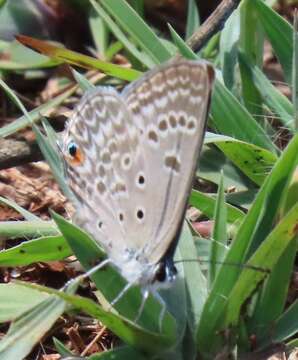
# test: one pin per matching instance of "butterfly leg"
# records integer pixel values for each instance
(163, 308)
(122, 292)
(145, 294)
(73, 283)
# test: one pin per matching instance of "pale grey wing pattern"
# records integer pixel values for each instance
(169, 106)
(109, 182)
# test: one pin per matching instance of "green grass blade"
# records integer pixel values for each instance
(286, 326)
(135, 26)
(195, 281)
(207, 205)
(276, 287)
(184, 49)
(61, 348)
(265, 257)
(99, 31)
(228, 49)
(219, 233)
(253, 225)
(36, 114)
(120, 35)
(251, 43)
(280, 34)
(82, 81)
(295, 70)
(27, 214)
(31, 229)
(50, 152)
(238, 122)
(193, 19)
(276, 101)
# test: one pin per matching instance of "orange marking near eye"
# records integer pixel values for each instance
(77, 159)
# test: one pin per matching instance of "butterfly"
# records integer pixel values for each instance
(131, 158)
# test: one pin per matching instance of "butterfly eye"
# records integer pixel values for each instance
(72, 149)
(75, 154)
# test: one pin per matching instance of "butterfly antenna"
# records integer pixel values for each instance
(246, 266)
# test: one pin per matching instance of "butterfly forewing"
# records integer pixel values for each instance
(139, 150)
(169, 106)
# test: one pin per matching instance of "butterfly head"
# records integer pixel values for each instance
(154, 276)
(73, 153)
(165, 273)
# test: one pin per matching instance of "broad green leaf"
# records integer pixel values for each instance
(110, 283)
(138, 6)
(127, 330)
(49, 248)
(254, 161)
(15, 300)
(212, 161)
(243, 199)
(28, 329)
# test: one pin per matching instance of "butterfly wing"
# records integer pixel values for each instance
(110, 160)
(138, 153)
(169, 107)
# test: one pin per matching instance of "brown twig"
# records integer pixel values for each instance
(213, 24)
(14, 153)
(97, 337)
